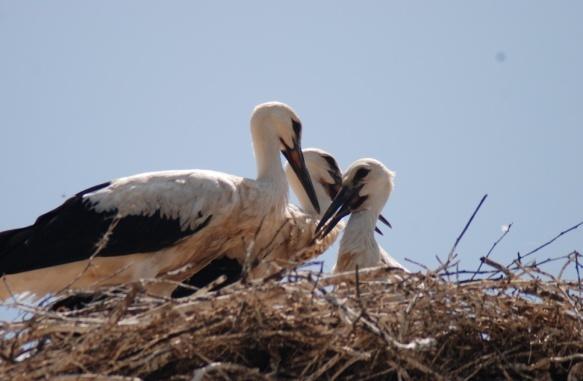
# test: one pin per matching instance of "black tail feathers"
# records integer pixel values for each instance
(10, 241)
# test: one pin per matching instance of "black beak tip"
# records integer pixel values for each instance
(385, 221)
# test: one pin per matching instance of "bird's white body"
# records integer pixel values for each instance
(213, 214)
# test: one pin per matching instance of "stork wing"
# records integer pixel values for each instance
(138, 214)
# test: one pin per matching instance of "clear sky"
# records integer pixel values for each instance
(459, 98)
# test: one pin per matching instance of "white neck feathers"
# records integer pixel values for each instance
(359, 237)
(266, 147)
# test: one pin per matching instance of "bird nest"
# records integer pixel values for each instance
(372, 324)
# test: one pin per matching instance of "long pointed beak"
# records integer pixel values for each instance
(385, 221)
(339, 208)
(295, 158)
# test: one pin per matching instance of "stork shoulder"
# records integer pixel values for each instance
(185, 195)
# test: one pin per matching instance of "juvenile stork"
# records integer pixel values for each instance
(366, 187)
(150, 224)
(296, 244)
(327, 179)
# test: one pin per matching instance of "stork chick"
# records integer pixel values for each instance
(366, 187)
(299, 245)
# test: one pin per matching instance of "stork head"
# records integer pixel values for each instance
(325, 175)
(277, 124)
(366, 186)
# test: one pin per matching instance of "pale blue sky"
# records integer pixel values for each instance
(459, 98)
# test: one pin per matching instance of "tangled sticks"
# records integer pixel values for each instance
(373, 324)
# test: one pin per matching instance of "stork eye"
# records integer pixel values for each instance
(297, 126)
(360, 174)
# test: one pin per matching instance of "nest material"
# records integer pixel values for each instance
(368, 325)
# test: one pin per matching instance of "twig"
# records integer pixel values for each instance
(468, 272)
(247, 265)
(358, 299)
(547, 243)
(457, 241)
(417, 264)
(319, 275)
(266, 250)
(497, 266)
(12, 296)
(492, 249)
(577, 255)
(357, 285)
(101, 244)
(451, 256)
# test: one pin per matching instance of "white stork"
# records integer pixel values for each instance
(366, 187)
(297, 244)
(147, 225)
(327, 179)
(297, 234)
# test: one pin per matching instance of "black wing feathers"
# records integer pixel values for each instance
(144, 234)
(10, 239)
(71, 232)
(94, 188)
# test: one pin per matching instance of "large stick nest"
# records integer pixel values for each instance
(374, 324)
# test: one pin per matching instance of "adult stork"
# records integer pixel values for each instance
(294, 243)
(148, 225)
(366, 187)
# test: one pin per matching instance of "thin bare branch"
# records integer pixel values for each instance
(506, 231)
(459, 238)
(540, 247)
